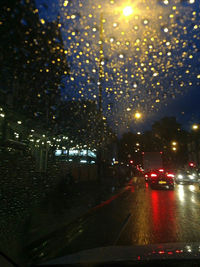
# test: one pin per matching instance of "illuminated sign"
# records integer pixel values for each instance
(73, 152)
(58, 152)
(76, 152)
(83, 153)
(92, 154)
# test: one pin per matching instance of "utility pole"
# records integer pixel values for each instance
(101, 76)
(46, 134)
(101, 63)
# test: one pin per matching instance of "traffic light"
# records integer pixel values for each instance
(192, 164)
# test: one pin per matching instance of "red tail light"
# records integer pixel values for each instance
(154, 175)
(161, 170)
(170, 175)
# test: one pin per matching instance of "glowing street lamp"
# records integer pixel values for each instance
(195, 127)
(174, 146)
(138, 115)
(128, 11)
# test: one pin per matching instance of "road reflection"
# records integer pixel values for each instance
(192, 188)
(156, 216)
(181, 193)
(164, 223)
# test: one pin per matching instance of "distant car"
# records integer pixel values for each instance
(186, 177)
(147, 175)
(161, 179)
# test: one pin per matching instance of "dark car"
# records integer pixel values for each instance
(161, 179)
(147, 175)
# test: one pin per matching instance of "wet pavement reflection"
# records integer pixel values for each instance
(137, 216)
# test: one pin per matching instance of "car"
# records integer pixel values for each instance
(186, 177)
(147, 175)
(161, 179)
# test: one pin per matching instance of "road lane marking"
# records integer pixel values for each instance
(125, 222)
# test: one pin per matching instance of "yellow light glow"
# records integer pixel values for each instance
(42, 21)
(128, 11)
(181, 193)
(195, 127)
(138, 115)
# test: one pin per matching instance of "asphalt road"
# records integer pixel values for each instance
(136, 216)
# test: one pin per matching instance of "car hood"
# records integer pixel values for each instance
(134, 253)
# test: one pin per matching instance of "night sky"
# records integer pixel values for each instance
(151, 58)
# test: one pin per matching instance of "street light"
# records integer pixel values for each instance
(128, 11)
(195, 143)
(195, 126)
(174, 146)
(101, 61)
(138, 115)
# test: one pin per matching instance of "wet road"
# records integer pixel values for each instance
(139, 215)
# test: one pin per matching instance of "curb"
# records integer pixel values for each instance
(86, 210)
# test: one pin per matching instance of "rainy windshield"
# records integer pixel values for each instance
(99, 125)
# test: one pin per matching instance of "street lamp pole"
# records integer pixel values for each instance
(100, 107)
(101, 63)
(127, 12)
(196, 140)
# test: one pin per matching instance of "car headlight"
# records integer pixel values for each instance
(191, 177)
(180, 176)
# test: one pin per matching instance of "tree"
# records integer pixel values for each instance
(81, 122)
(164, 133)
(169, 131)
(151, 142)
(33, 62)
(130, 148)
(166, 129)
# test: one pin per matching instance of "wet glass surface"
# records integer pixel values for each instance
(87, 88)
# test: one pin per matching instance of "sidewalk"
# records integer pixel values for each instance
(60, 209)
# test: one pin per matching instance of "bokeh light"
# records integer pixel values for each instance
(128, 11)
(138, 115)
